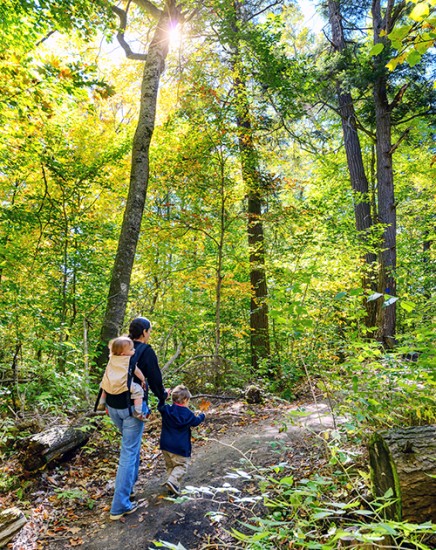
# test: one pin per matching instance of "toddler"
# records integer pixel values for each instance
(175, 438)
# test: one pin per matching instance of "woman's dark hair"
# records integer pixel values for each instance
(137, 326)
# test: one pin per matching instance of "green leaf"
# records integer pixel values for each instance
(399, 33)
(260, 536)
(289, 480)
(407, 306)
(340, 295)
(324, 514)
(356, 291)
(376, 49)
(413, 58)
(423, 47)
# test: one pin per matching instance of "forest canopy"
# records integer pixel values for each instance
(263, 191)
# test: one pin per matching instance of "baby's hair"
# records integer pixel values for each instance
(119, 345)
(180, 394)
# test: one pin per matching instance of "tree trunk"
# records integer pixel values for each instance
(11, 521)
(219, 267)
(356, 168)
(403, 460)
(40, 449)
(259, 330)
(385, 184)
(131, 226)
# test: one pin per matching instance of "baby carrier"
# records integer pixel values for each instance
(118, 375)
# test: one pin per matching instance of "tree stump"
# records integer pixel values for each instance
(404, 459)
(253, 395)
(11, 521)
(40, 449)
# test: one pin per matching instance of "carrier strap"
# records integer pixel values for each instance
(132, 366)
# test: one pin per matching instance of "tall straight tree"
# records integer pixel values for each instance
(255, 190)
(383, 110)
(154, 62)
(353, 151)
(382, 25)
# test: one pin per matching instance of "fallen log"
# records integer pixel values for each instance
(42, 448)
(404, 460)
(11, 521)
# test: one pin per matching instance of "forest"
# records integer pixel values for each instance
(257, 178)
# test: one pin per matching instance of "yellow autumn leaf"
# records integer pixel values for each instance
(392, 64)
(420, 11)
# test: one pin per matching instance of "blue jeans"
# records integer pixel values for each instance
(131, 431)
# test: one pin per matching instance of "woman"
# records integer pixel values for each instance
(131, 428)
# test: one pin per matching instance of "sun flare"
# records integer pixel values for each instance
(175, 36)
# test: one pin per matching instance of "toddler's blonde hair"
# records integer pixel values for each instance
(180, 394)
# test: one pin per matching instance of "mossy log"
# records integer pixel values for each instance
(11, 521)
(404, 460)
(40, 449)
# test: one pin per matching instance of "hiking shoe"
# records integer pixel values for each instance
(172, 488)
(140, 416)
(119, 516)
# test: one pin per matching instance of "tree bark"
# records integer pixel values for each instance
(356, 168)
(403, 460)
(11, 521)
(386, 316)
(253, 181)
(131, 225)
(53, 443)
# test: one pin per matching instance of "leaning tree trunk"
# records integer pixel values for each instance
(386, 316)
(404, 460)
(356, 168)
(122, 270)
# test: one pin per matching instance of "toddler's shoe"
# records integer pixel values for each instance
(172, 488)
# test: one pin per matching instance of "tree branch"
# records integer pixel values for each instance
(204, 395)
(397, 99)
(417, 115)
(120, 35)
(173, 357)
(263, 10)
(396, 145)
(150, 8)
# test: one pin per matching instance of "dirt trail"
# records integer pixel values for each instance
(264, 442)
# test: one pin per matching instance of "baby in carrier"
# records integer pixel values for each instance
(115, 379)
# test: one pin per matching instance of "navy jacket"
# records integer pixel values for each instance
(177, 421)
